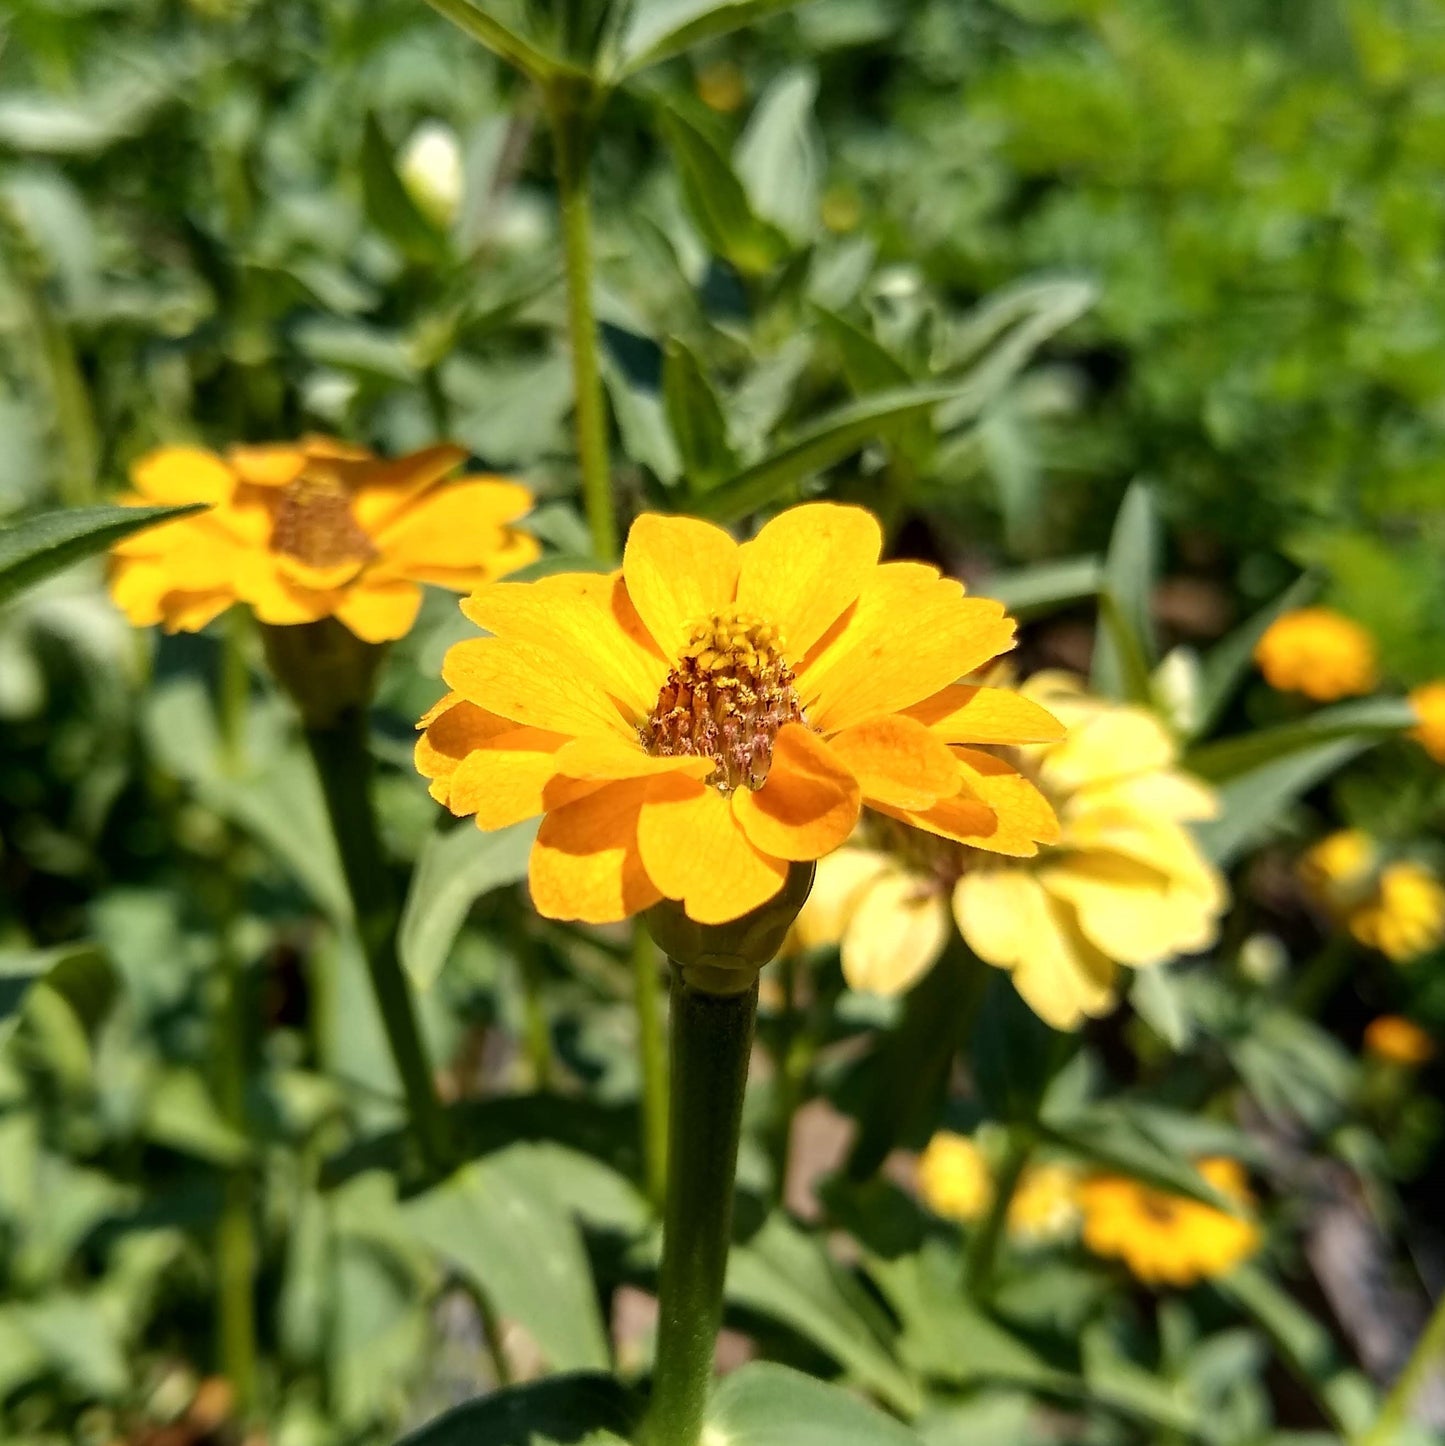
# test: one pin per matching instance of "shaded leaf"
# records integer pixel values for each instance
(499, 25)
(770, 1405)
(1125, 648)
(555, 1412)
(778, 158)
(660, 28)
(389, 204)
(695, 418)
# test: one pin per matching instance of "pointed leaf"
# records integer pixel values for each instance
(779, 159)
(696, 419)
(506, 38)
(389, 205)
(1047, 586)
(1124, 648)
(660, 28)
(769, 1405)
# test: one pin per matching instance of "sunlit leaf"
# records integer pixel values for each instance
(770, 1405)
(1124, 648)
(660, 28)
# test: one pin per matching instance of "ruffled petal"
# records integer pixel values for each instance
(189, 612)
(896, 934)
(452, 727)
(274, 464)
(382, 487)
(678, 571)
(695, 850)
(963, 713)
(585, 863)
(1025, 818)
(805, 567)
(809, 804)
(505, 778)
(897, 761)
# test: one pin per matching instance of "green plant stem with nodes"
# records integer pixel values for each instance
(571, 107)
(652, 1059)
(1427, 1357)
(982, 1252)
(712, 1038)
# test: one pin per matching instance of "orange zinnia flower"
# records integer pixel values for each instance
(1318, 652)
(313, 529)
(692, 724)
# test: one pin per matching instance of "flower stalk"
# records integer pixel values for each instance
(982, 1252)
(652, 1058)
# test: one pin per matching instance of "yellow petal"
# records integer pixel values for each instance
(507, 551)
(678, 571)
(896, 934)
(381, 488)
(379, 612)
(607, 757)
(694, 850)
(585, 864)
(805, 567)
(963, 713)
(504, 778)
(273, 597)
(1025, 818)
(838, 884)
(910, 633)
(587, 618)
(1162, 794)
(276, 464)
(897, 761)
(1112, 744)
(137, 586)
(452, 728)
(965, 818)
(531, 685)
(182, 474)
(450, 526)
(809, 804)
(189, 612)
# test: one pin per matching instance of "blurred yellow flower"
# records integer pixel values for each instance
(1318, 652)
(1429, 705)
(1399, 1040)
(1397, 908)
(692, 724)
(1167, 1239)
(1126, 883)
(722, 87)
(956, 1183)
(313, 529)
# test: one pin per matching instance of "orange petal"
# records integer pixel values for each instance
(275, 598)
(585, 863)
(678, 570)
(809, 804)
(510, 551)
(182, 474)
(910, 633)
(189, 612)
(694, 849)
(452, 526)
(605, 758)
(379, 612)
(381, 487)
(962, 713)
(453, 727)
(965, 818)
(897, 760)
(1025, 818)
(274, 464)
(504, 779)
(805, 567)
(585, 617)
(531, 685)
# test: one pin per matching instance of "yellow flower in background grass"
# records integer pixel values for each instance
(1167, 1239)
(692, 724)
(1429, 705)
(956, 1183)
(1124, 884)
(1399, 1040)
(313, 529)
(1318, 652)
(1397, 908)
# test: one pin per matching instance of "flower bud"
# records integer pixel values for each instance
(324, 666)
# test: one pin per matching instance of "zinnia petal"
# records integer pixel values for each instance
(964, 713)
(809, 804)
(585, 863)
(379, 612)
(896, 934)
(176, 475)
(898, 761)
(678, 571)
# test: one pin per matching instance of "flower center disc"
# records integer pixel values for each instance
(725, 699)
(314, 524)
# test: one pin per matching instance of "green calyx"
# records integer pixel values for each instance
(324, 666)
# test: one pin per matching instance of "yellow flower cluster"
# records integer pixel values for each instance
(1396, 907)
(1124, 883)
(957, 1183)
(313, 529)
(1167, 1239)
(1429, 705)
(1400, 1041)
(1318, 652)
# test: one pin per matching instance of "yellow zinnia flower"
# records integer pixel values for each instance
(1126, 884)
(1168, 1239)
(1429, 705)
(313, 529)
(956, 1183)
(1399, 1040)
(692, 724)
(1397, 908)
(1317, 652)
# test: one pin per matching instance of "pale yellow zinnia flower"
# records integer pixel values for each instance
(1124, 885)
(956, 1182)
(1396, 907)
(1318, 652)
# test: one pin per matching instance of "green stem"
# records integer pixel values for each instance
(235, 691)
(537, 1031)
(652, 1058)
(571, 116)
(1323, 975)
(1425, 1358)
(343, 762)
(984, 1242)
(711, 1040)
(796, 1049)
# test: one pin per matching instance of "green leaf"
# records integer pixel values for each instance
(695, 418)
(778, 158)
(869, 367)
(1367, 720)
(770, 1405)
(1047, 586)
(658, 29)
(389, 205)
(493, 1223)
(567, 1408)
(788, 1275)
(32, 550)
(717, 202)
(1114, 1380)
(1015, 1054)
(182, 1115)
(77, 974)
(453, 871)
(1125, 649)
(1230, 660)
(506, 37)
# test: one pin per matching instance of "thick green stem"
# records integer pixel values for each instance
(711, 1040)
(571, 116)
(343, 762)
(1427, 1356)
(984, 1242)
(537, 1031)
(235, 691)
(652, 1060)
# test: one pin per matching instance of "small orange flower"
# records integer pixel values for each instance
(1429, 705)
(1168, 1239)
(1318, 652)
(692, 724)
(313, 529)
(1399, 1040)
